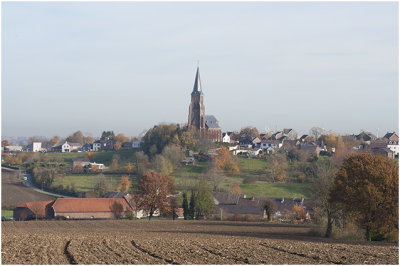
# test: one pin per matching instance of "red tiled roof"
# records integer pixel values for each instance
(37, 207)
(87, 204)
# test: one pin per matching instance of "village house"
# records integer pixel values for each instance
(66, 147)
(34, 147)
(226, 137)
(228, 205)
(136, 144)
(12, 148)
(271, 146)
(87, 147)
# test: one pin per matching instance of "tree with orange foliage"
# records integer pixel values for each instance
(224, 161)
(155, 189)
(235, 189)
(300, 213)
(90, 155)
(129, 168)
(367, 188)
(124, 184)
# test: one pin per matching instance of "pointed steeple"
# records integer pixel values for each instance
(197, 84)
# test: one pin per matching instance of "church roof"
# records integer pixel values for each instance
(197, 84)
(211, 121)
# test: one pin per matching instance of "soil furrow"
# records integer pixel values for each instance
(69, 256)
(152, 254)
(246, 261)
(301, 255)
(110, 249)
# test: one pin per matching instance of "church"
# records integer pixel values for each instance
(207, 125)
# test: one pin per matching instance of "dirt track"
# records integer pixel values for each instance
(179, 242)
(14, 193)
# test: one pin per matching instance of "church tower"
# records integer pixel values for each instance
(196, 109)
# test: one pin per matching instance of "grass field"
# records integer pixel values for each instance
(266, 189)
(7, 213)
(85, 183)
(99, 157)
(185, 176)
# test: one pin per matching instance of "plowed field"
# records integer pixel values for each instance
(179, 242)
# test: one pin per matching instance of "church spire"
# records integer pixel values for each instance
(197, 84)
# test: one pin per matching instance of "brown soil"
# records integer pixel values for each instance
(14, 193)
(180, 242)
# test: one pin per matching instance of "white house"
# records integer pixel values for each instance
(136, 144)
(97, 146)
(226, 138)
(66, 147)
(13, 148)
(393, 146)
(34, 147)
(271, 145)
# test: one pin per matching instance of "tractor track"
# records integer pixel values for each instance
(316, 258)
(68, 254)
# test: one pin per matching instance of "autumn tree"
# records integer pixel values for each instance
(300, 213)
(102, 186)
(235, 189)
(117, 209)
(114, 162)
(129, 168)
(119, 139)
(79, 137)
(173, 154)
(269, 206)
(124, 185)
(4, 143)
(160, 136)
(329, 140)
(188, 140)
(225, 162)
(277, 166)
(90, 155)
(366, 187)
(155, 188)
(214, 176)
(320, 188)
(54, 140)
(249, 132)
(161, 165)
(142, 163)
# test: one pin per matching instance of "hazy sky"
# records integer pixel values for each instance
(126, 66)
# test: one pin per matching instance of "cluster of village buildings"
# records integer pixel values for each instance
(287, 139)
(269, 143)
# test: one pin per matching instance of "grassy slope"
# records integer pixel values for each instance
(186, 175)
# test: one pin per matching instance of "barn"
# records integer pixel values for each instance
(73, 208)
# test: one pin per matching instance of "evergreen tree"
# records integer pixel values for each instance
(192, 206)
(185, 206)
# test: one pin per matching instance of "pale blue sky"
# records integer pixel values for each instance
(127, 66)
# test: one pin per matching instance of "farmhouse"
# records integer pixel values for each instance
(72, 208)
